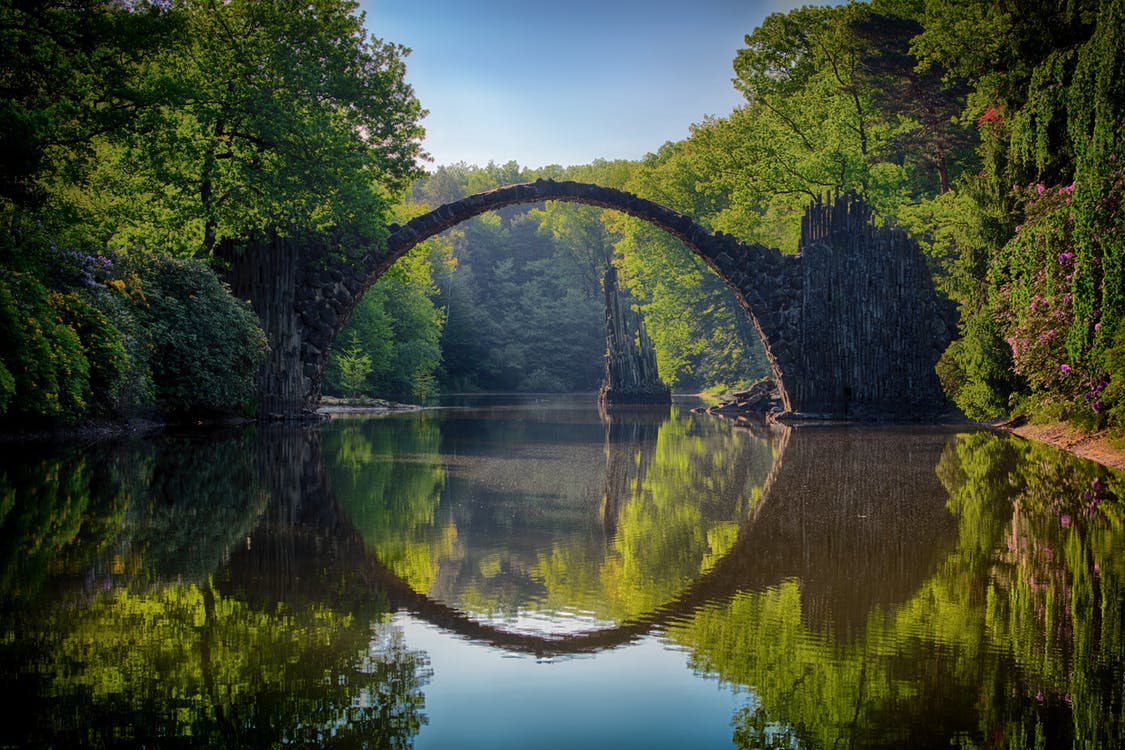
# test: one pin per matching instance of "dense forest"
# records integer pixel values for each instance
(141, 137)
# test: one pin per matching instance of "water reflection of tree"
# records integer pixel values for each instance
(47, 524)
(1014, 640)
(125, 636)
(615, 545)
(680, 500)
(387, 476)
(145, 510)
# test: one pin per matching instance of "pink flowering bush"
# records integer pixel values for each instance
(1036, 299)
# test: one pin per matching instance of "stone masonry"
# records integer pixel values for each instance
(852, 324)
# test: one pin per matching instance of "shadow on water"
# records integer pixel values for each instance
(867, 587)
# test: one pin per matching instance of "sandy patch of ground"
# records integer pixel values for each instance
(1092, 445)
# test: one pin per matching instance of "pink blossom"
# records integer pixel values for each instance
(1064, 519)
(1039, 188)
(1064, 369)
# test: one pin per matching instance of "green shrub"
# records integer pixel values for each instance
(102, 345)
(976, 369)
(121, 301)
(207, 346)
(46, 370)
(1107, 394)
(7, 387)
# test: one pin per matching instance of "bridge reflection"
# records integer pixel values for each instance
(855, 515)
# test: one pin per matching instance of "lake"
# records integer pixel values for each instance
(531, 572)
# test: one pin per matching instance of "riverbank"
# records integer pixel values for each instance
(1095, 446)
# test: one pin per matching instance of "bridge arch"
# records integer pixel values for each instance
(852, 324)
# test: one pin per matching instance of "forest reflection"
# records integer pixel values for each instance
(562, 522)
(859, 586)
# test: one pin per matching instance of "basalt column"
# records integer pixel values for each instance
(630, 360)
(871, 325)
(265, 272)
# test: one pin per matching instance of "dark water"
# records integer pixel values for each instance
(536, 574)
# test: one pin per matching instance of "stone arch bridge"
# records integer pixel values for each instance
(851, 324)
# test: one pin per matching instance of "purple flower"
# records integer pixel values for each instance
(1064, 369)
(1039, 188)
(1064, 520)
(1064, 257)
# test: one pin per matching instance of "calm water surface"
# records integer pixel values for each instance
(534, 573)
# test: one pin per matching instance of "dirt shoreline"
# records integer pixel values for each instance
(1095, 446)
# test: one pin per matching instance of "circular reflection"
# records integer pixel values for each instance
(547, 521)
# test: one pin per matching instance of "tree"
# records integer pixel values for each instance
(288, 118)
(74, 73)
(355, 366)
(921, 99)
(207, 347)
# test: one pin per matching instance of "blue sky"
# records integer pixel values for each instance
(569, 81)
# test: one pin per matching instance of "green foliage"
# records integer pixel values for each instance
(102, 345)
(976, 370)
(398, 327)
(354, 367)
(1044, 94)
(519, 289)
(73, 72)
(207, 346)
(524, 304)
(1110, 390)
(282, 117)
(177, 128)
(73, 343)
(47, 372)
(712, 347)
